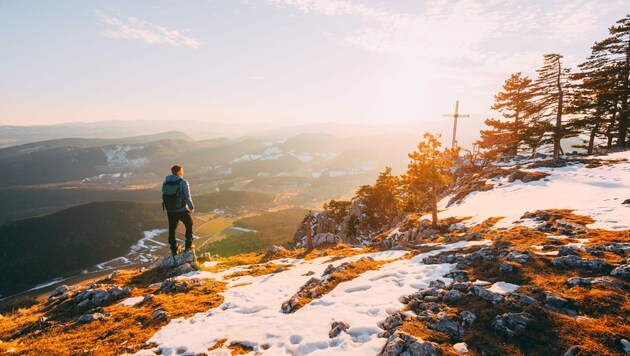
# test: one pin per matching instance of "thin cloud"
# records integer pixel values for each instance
(447, 33)
(133, 28)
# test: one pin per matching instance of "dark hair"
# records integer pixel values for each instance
(176, 168)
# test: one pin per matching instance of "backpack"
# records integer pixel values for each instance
(172, 198)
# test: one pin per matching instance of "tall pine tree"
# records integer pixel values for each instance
(614, 53)
(551, 88)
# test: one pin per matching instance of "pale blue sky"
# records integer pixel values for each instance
(292, 61)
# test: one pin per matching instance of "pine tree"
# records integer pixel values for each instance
(429, 173)
(551, 89)
(614, 53)
(514, 102)
(381, 199)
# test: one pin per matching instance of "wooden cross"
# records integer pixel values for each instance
(456, 115)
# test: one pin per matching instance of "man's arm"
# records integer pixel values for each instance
(186, 193)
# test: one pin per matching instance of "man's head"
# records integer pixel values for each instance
(178, 169)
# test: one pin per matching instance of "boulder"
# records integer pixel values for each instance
(327, 238)
(622, 271)
(403, 344)
(487, 294)
(88, 318)
(447, 325)
(159, 315)
(593, 264)
(393, 321)
(452, 296)
(507, 268)
(461, 348)
(336, 328)
(515, 256)
(170, 261)
(511, 324)
(173, 285)
(468, 317)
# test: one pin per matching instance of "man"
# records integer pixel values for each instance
(179, 206)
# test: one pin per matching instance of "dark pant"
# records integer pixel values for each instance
(174, 217)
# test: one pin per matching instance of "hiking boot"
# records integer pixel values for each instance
(176, 251)
(190, 248)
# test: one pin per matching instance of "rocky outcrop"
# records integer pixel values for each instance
(511, 324)
(336, 328)
(403, 344)
(572, 261)
(95, 295)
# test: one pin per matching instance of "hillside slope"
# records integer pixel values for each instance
(64, 243)
(523, 268)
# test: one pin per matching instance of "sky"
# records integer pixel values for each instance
(280, 61)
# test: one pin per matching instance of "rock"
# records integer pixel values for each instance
(403, 344)
(515, 256)
(290, 305)
(459, 275)
(461, 286)
(487, 295)
(172, 285)
(159, 315)
(447, 325)
(511, 324)
(438, 283)
(275, 249)
(148, 299)
(461, 348)
(170, 261)
(327, 238)
(522, 299)
(181, 269)
(593, 264)
(589, 281)
(506, 268)
(393, 321)
(572, 351)
(568, 250)
(451, 296)
(468, 317)
(558, 304)
(329, 270)
(627, 201)
(336, 328)
(622, 271)
(626, 345)
(88, 318)
(309, 273)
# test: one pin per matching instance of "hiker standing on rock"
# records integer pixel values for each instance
(179, 206)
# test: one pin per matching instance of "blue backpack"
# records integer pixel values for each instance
(172, 198)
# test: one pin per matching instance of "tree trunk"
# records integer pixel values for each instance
(591, 140)
(434, 217)
(623, 118)
(558, 129)
(309, 234)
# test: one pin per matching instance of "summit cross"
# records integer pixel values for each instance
(455, 116)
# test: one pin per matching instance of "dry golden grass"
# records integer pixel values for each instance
(125, 330)
(236, 348)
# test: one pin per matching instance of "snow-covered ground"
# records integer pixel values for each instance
(251, 312)
(595, 192)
